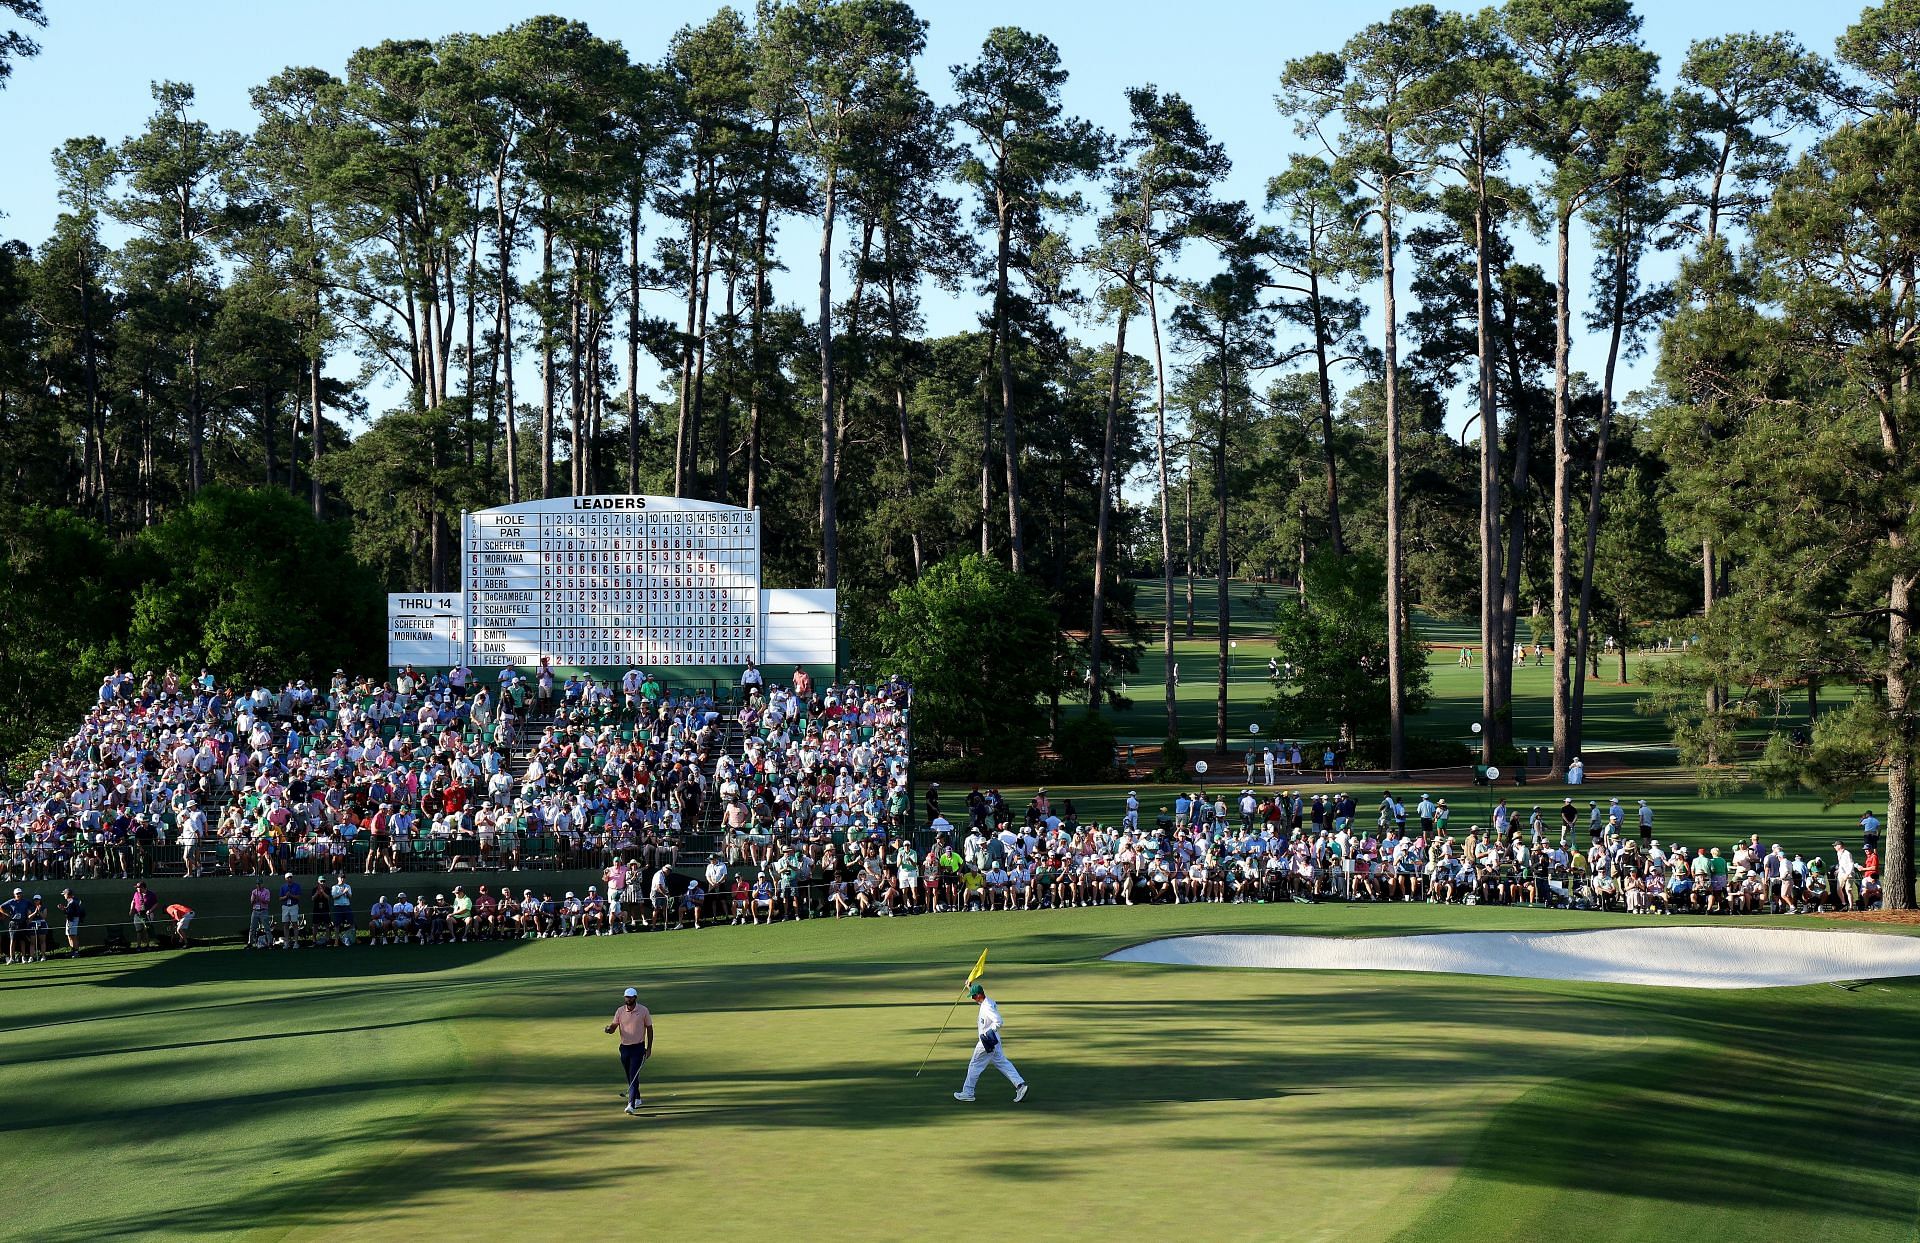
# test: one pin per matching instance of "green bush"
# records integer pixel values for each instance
(1085, 749)
(1422, 752)
(1173, 763)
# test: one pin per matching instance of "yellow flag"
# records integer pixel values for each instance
(979, 968)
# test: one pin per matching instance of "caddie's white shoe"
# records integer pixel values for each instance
(963, 1097)
(1020, 1094)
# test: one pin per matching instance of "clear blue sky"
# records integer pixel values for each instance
(98, 59)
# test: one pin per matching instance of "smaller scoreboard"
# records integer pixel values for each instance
(426, 629)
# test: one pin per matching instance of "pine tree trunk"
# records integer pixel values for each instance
(1016, 540)
(1323, 368)
(472, 294)
(96, 448)
(699, 408)
(1224, 603)
(755, 363)
(546, 348)
(986, 448)
(509, 417)
(314, 434)
(1897, 863)
(829, 503)
(1520, 489)
(196, 424)
(1186, 561)
(1584, 634)
(682, 440)
(723, 423)
(1166, 508)
(900, 407)
(576, 375)
(1562, 459)
(633, 344)
(1096, 629)
(1491, 705)
(1396, 612)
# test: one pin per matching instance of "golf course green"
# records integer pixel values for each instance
(467, 1091)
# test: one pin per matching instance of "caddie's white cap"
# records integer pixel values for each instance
(632, 992)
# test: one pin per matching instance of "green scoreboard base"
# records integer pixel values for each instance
(673, 677)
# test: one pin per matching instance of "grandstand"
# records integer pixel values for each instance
(170, 779)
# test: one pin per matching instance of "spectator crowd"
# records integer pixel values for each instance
(801, 800)
(172, 776)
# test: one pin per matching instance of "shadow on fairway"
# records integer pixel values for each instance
(1669, 1102)
(174, 968)
(1754, 1095)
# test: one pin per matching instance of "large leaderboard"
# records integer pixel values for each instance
(598, 581)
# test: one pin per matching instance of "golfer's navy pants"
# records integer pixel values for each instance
(631, 1055)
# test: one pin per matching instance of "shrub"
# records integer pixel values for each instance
(1085, 748)
(1173, 762)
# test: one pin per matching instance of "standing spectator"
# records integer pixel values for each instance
(141, 908)
(1846, 877)
(37, 927)
(260, 916)
(1869, 833)
(342, 895)
(72, 911)
(145, 838)
(193, 828)
(289, 912)
(19, 939)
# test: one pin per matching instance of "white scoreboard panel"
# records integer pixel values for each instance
(424, 629)
(612, 580)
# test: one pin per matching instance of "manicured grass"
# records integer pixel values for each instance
(467, 1091)
(1613, 724)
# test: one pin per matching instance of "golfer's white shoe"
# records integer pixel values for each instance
(962, 1096)
(630, 1109)
(1020, 1094)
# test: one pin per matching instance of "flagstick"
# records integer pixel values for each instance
(936, 1039)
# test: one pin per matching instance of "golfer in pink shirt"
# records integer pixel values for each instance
(635, 1024)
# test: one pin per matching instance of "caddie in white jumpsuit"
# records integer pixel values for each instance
(988, 1051)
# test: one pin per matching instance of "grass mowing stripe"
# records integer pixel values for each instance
(1336, 1105)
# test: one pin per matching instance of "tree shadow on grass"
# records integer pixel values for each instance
(212, 966)
(1792, 1097)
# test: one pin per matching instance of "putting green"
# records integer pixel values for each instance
(468, 1090)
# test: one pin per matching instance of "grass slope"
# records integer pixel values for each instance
(469, 1089)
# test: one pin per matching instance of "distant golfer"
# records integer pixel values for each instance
(635, 1025)
(987, 1052)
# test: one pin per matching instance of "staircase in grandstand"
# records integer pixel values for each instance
(698, 841)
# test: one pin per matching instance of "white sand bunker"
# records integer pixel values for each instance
(1669, 957)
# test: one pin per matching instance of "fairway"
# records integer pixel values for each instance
(1614, 723)
(427, 1091)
